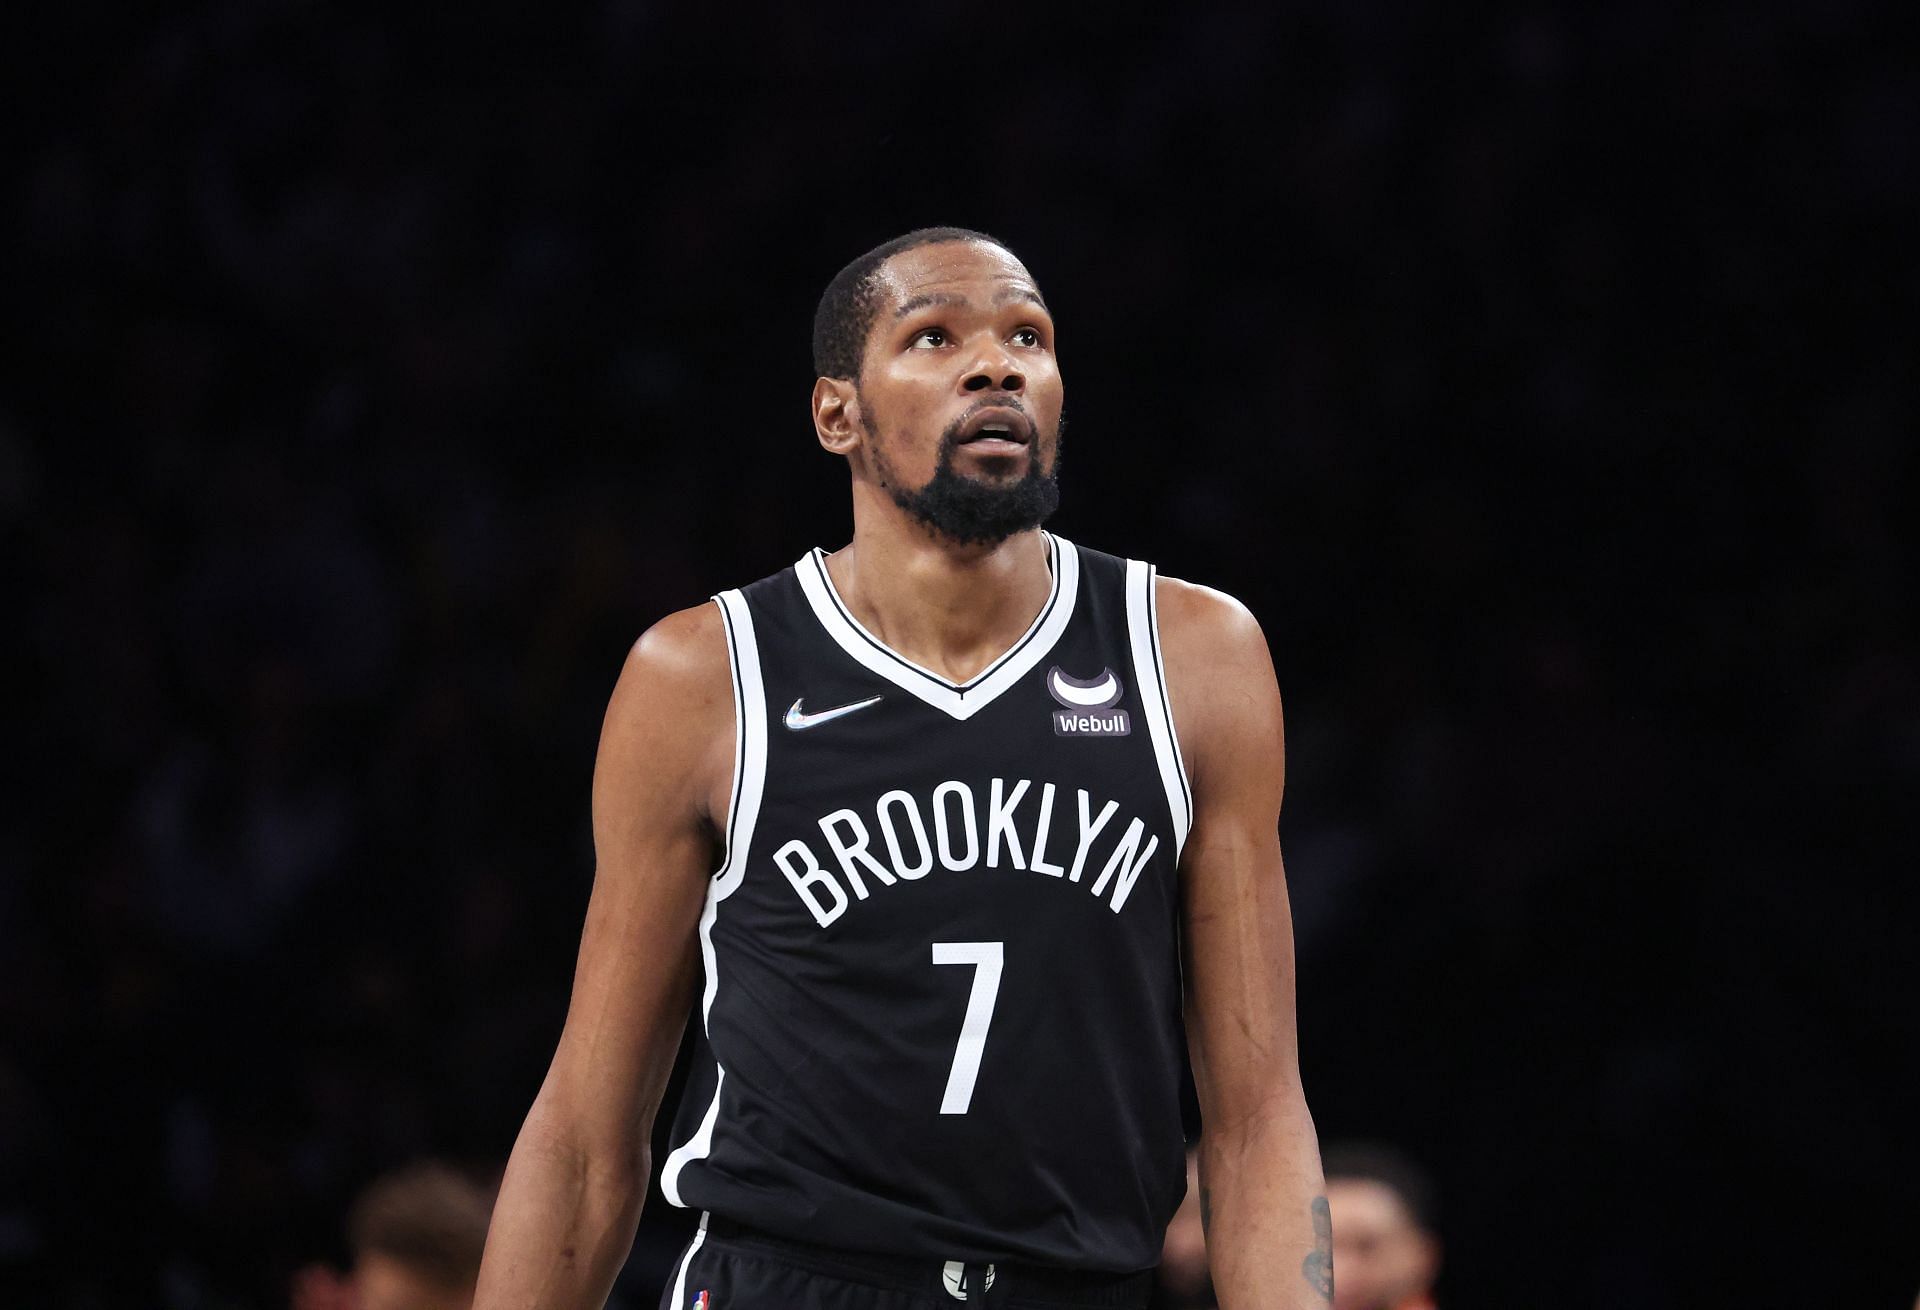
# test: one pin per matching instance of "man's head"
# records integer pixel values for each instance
(938, 382)
(1183, 1275)
(1386, 1251)
(417, 1236)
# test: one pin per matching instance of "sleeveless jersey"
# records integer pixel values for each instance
(942, 1007)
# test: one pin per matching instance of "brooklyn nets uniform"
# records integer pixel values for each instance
(942, 1009)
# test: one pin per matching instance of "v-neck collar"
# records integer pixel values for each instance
(961, 700)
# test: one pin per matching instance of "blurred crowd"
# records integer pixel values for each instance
(415, 1238)
(1387, 1246)
(1543, 379)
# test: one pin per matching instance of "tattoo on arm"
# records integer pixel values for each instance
(1317, 1268)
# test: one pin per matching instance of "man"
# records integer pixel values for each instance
(1384, 1235)
(416, 1237)
(1182, 1280)
(930, 827)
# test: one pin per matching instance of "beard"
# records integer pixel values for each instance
(969, 510)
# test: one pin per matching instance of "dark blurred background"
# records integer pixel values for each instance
(1542, 375)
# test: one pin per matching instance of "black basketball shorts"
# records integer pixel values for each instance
(728, 1267)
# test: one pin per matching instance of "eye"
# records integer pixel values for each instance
(928, 338)
(1026, 336)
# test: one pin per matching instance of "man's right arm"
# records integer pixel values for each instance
(570, 1200)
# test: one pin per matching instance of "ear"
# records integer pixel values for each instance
(836, 415)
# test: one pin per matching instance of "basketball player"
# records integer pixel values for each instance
(936, 834)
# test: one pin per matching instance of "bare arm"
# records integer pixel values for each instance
(571, 1197)
(1269, 1238)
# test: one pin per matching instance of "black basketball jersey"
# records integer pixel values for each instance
(942, 1013)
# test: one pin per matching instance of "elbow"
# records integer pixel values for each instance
(606, 1168)
(1282, 1110)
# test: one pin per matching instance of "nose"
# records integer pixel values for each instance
(992, 368)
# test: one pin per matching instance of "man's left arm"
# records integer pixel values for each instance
(1269, 1238)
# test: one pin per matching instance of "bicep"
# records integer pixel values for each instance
(1237, 929)
(667, 732)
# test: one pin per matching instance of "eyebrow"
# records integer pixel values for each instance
(1003, 297)
(922, 302)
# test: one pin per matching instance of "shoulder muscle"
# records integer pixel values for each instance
(666, 746)
(1225, 697)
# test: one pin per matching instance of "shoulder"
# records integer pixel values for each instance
(1220, 678)
(1208, 634)
(1191, 619)
(678, 664)
(686, 647)
(670, 719)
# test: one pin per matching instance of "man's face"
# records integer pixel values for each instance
(383, 1283)
(1183, 1273)
(1381, 1258)
(959, 393)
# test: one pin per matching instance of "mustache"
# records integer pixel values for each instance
(950, 436)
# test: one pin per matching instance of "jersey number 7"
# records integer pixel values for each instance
(986, 959)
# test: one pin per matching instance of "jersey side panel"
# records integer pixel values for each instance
(743, 811)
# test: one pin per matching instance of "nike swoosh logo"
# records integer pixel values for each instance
(1099, 693)
(801, 722)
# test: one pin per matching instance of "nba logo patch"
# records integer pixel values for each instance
(701, 1302)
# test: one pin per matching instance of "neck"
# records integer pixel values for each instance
(951, 609)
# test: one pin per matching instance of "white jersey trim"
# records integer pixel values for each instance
(1149, 675)
(961, 700)
(680, 1277)
(749, 784)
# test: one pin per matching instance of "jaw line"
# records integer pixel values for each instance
(925, 514)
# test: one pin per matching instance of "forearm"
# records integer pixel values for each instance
(1263, 1204)
(563, 1223)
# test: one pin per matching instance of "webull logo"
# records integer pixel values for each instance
(1090, 705)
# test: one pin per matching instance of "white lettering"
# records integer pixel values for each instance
(1088, 831)
(911, 852)
(1129, 872)
(849, 851)
(1041, 864)
(1000, 821)
(942, 835)
(887, 830)
(806, 875)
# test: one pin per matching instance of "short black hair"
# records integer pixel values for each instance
(1376, 1162)
(428, 1217)
(845, 314)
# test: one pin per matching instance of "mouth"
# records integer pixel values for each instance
(996, 431)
